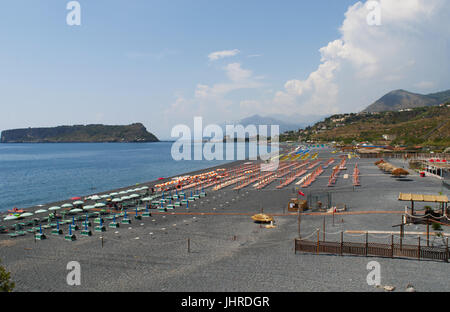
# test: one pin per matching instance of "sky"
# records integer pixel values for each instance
(163, 62)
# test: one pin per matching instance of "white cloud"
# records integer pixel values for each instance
(411, 45)
(214, 56)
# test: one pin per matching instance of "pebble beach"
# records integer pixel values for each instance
(214, 245)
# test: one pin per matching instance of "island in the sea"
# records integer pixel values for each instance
(80, 134)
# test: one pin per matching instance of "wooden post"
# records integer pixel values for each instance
(342, 241)
(418, 250)
(295, 246)
(102, 241)
(446, 251)
(323, 229)
(367, 244)
(318, 240)
(189, 245)
(392, 246)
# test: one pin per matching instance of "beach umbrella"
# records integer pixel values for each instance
(57, 207)
(88, 207)
(116, 200)
(26, 214)
(76, 198)
(122, 192)
(40, 211)
(104, 196)
(76, 210)
(66, 206)
(114, 194)
(133, 196)
(125, 198)
(78, 202)
(95, 197)
(99, 205)
(10, 217)
(146, 199)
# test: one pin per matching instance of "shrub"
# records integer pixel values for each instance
(6, 285)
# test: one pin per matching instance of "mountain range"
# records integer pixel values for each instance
(401, 99)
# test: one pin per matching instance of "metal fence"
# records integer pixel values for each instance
(366, 248)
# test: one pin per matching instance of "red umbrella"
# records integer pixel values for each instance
(160, 178)
(301, 193)
(75, 198)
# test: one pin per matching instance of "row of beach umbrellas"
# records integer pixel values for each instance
(79, 202)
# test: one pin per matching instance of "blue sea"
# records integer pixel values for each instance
(33, 174)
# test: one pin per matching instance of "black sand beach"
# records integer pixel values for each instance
(228, 251)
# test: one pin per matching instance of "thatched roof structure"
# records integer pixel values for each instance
(262, 218)
(399, 172)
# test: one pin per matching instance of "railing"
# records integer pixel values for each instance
(374, 249)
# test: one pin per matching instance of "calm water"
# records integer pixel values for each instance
(32, 174)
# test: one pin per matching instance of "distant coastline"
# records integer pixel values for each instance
(134, 133)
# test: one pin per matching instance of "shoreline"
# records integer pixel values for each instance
(124, 188)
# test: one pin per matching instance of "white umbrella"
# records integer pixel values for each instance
(116, 200)
(114, 194)
(104, 196)
(99, 205)
(144, 188)
(26, 214)
(76, 210)
(78, 202)
(95, 197)
(11, 217)
(88, 207)
(147, 199)
(122, 192)
(57, 207)
(64, 206)
(125, 198)
(134, 196)
(40, 211)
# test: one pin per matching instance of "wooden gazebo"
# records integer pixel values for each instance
(441, 199)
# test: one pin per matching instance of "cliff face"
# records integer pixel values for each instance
(70, 134)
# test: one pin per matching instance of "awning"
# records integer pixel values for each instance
(423, 198)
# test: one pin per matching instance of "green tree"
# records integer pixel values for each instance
(6, 285)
